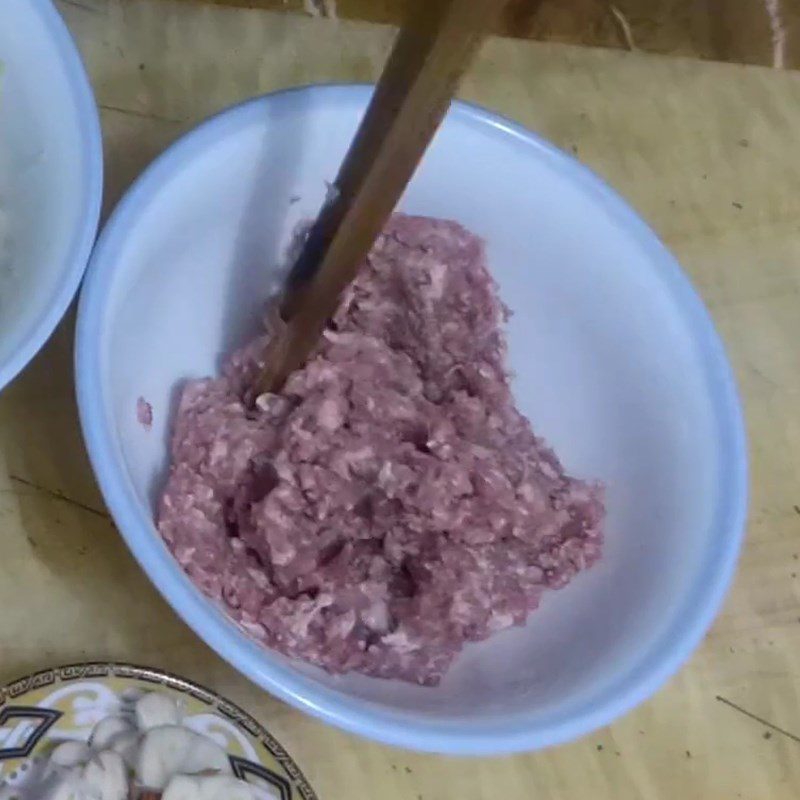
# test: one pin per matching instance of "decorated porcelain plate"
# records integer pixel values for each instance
(42, 711)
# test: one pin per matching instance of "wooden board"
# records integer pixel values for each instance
(707, 152)
(725, 30)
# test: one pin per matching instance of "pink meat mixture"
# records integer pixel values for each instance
(391, 504)
(144, 413)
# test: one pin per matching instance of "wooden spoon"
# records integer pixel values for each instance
(432, 51)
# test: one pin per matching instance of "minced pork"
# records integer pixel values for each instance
(391, 504)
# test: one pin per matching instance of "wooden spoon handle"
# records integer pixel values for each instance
(432, 51)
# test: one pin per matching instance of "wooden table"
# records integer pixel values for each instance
(709, 157)
(724, 30)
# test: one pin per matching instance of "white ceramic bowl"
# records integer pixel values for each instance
(618, 367)
(51, 177)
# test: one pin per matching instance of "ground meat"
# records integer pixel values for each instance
(391, 504)
(144, 413)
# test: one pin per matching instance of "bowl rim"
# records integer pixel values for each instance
(364, 717)
(77, 254)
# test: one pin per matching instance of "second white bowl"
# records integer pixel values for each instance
(51, 177)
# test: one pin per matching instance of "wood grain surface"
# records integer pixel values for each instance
(724, 30)
(710, 162)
